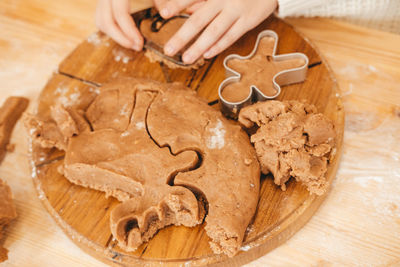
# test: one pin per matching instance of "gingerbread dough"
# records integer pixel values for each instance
(292, 139)
(10, 112)
(165, 30)
(167, 155)
(7, 213)
(257, 71)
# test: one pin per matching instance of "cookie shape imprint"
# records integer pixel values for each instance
(7, 214)
(291, 139)
(259, 75)
(165, 154)
(157, 31)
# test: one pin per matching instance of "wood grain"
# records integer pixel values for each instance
(84, 214)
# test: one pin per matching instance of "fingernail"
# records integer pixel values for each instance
(164, 12)
(169, 50)
(136, 47)
(187, 58)
(208, 54)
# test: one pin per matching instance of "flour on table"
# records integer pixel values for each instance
(365, 181)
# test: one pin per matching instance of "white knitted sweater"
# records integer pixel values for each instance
(379, 14)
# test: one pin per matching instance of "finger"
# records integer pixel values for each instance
(173, 7)
(126, 23)
(211, 34)
(232, 35)
(107, 24)
(196, 6)
(159, 4)
(101, 8)
(191, 28)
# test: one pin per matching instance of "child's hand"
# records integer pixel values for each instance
(113, 18)
(224, 21)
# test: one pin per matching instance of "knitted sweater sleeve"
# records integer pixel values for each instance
(380, 14)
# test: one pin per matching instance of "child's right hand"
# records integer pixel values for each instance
(220, 22)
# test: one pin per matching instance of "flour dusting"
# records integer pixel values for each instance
(124, 110)
(125, 60)
(126, 133)
(94, 90)
(139, 125)
(217, 139)
(117, 58)
(67, 100)
(366, 180)
(372, 68)
(94, 39)
(61, 90)
(120, 55)
(245, 248)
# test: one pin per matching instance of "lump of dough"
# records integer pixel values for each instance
(165, 154)
(291, 140)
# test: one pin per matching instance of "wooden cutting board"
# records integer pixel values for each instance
(84, 213)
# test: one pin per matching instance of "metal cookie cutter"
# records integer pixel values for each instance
(157, 23)
(285, 77)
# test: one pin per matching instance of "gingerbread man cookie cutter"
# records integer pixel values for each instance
(282, 78)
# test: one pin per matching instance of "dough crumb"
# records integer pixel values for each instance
(291, 140)
(247, 161)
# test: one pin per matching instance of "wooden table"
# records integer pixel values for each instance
(358, 224)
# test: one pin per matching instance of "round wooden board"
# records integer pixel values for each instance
(84, 213)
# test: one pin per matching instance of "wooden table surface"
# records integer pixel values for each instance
(358, 224)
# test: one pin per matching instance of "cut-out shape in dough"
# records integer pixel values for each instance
(167, 155)
(259, 75)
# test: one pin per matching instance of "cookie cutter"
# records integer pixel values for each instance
(282, 78)
(157, 23)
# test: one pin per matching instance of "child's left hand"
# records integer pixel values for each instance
(223, 21)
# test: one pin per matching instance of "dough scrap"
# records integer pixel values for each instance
(10, 113)
(291, 140)
(167, 28)
(7, 214)
(165, 154)
(258, 71)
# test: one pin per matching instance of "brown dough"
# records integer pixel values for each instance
(7, 214)
(161, 37)
(169, 158)
(10, 112)
(291, 140)
(259, 71)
